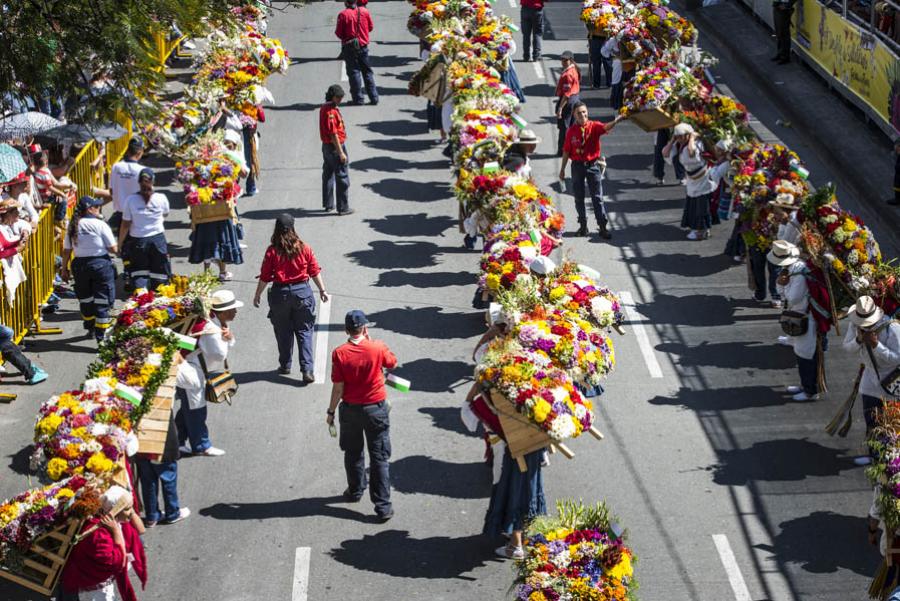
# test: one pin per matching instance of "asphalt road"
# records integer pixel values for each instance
(709, 455)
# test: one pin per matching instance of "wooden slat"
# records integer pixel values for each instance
(54, 557)
(39, 566)
(22, 581)
(152, 436)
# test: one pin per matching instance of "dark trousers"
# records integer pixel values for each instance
(590, 172)
(759, 264)
(563, 123)
(897, 179)
(659, 163)
(809, 373)
(191, 424)
(13, 354)
(359, 71)
(292, 311)
(781, 18)
(599, 63)
(335, 178)
(367, 426)
(532, 31)
(616, 95)
(95, 287)
(149, 261)
(249, 133)
(871, 405)
(155, 477)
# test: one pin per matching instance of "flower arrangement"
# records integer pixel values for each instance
(578, 554)
(80, 433)
(208, 174)
(884, 473)
(718, 118)
(571, 289)
(180, 298)
(661, 85)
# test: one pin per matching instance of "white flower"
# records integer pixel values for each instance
(559, 394)
(562, 428)
(528, 254)
(93, 447)
(97, 385)
(99, 429)
(154, 359)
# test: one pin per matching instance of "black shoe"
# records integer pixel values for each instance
(469, 242)
(893, 201)
(351, 498)
(373, 102)
(328, 209)
(384, 517)
(782, 61)
(775, 58)
(308, 377)
(284, 370)
(347, 212)
(537, 58)
(526, 59)
(605, 233)
(355, 103)
(582, 231)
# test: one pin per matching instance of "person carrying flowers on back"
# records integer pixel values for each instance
(876, 339)
(687, 147)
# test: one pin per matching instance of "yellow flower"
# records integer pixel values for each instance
(492, 281)
(56, 468)
(99, 464)
(166, 290)
(80, 433)
(49, 424)
(8, 513)
(557, 293)
(65, 493)
(541, 411)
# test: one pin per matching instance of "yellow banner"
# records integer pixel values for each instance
(855, 58)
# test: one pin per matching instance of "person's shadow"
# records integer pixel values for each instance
(289, 508)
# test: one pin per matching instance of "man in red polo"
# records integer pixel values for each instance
(357, 376)
(582, 147)
(335, 172)
(353, 26)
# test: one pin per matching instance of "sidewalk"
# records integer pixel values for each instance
(857, 156)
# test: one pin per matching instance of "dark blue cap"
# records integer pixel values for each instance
(147, 173)
(86, 202)
(356, 319)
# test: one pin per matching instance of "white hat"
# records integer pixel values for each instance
(783, 253)
(683, 129)
(542, 265)
(783, 201)
(866, 313)
(496, 314)
(116, 500)
(223, 300)
(233, 136)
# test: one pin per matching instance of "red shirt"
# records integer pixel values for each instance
(569, 82)
(43, 179)
(331, 122)
(538, 4)
(583, 143)
(352, 24)
(359, 366)
(289, 270)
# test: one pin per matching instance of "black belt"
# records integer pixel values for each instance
(356, 405)
(287, 284)
(97, 257)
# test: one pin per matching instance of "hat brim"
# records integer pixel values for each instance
(867, 322)
(782, 261)
(535, 141)
(781, 205)
(236, 304)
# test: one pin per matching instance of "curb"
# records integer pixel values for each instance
(862, 187)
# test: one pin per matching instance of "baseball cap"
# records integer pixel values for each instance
(285, 220)
(147, 173)
(135, 144)
(86, 202)
(567, 55)
(356, 319)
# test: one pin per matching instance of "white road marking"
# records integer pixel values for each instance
(344, 76)
(538, 69)
(741, 593)
(636, 321)
(512, 3)
(322, 326)
(301, 574)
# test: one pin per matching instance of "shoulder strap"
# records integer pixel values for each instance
(358, 23)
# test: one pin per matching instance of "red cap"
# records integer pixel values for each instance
(34, 149)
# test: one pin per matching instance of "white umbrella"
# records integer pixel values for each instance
(27, 124)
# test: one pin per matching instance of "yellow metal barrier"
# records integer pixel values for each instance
(115, 149)
(165, 47)
(39, 263)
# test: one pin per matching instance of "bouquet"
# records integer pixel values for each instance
(208, 174)
(884, 473)
(579, 554)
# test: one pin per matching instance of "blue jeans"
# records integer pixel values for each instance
(532, 31)
(758, 266)
(359, 70)
(809, 373)
(151, 476)
(367, 426)
(191, 424)
(335, 179)
(582, 171)
(292, 311)
(599, 63)
(659, 163)
(12, 353)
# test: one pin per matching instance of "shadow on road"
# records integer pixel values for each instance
(430, 323)
(20, 460)
(723, 399)
(290, 508)
(429, 375)
(401, 189)
(390, 279)
(779, 461)
(396, 255)
(732, 355)
(684, 264)
(447, 418)
(438, 557)
(386, 164)
(428, 476)
(419, 224)
(399, 145)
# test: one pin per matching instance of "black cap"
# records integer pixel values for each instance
(285, 221)
(135, 144)
(147, 173)
(334, 91)
(567, 55)
(86, 202)
(356, 319)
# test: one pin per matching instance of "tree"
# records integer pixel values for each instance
(90, 52)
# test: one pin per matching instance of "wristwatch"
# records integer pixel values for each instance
(330, 412)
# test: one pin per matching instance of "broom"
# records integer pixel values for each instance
(845, 412)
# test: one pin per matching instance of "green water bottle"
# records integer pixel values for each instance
(332, 430)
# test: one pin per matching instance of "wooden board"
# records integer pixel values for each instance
(208, 213)
(652, 120)
(153, 429)
(43, 563)
(184, 326)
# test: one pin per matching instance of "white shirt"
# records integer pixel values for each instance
(123, 182)
(887, 357)
(215, 351)
(703, 184)
(16, 230)
(606, 51)
(25, 201)
(796, 294)
(790, 231)
(94, 238)
(147, 218)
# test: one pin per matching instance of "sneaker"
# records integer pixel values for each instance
(212, 452)
(693, 235)
(347, 212)
(507, 552)
(802, 396)
(226, 277)
(350, 497)
(605, 233)
(149, 523)
(794, 389)
(784, 341)
(582, 231)
(183, 514)
(862, 460)
(738, 259)
(384, 517)
(188, 44)
(660, 181)
(38, 376)
(185, 450)
(284, 370)
(706, 234)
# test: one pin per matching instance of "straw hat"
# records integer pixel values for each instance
(683, 129)
(783, 201)
(866, 313)
(529, 137)
(8, 204)
(783, 253)
(223, 300)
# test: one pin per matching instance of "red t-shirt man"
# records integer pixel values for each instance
(569, 83)
(537, 4)
(359, 365)
(354, 22)
(331, 122)
(583, 141)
